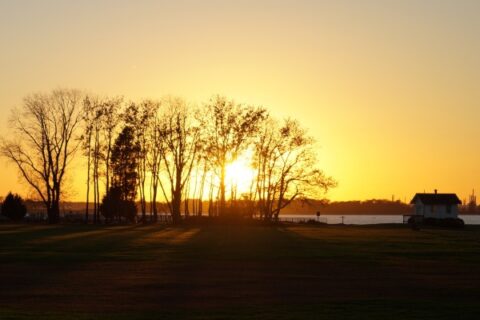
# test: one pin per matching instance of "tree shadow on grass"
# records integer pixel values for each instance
(238, 242)
(77, 243)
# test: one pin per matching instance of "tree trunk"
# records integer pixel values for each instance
(107, 164)
(88, 184)
(222, 190)
(201, 191)
(94, 193)
(210, 198)
(153, 196)
(53, 212)
(176, 204)
(98, 197)
(187, 207)
(143, 203)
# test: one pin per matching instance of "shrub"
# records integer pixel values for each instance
(430, 221)
(448, 222)
(114, 207)
(453, 223)
(13, 207)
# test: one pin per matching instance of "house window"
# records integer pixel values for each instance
(449, 209)
(431, 208)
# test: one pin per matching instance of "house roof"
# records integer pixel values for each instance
(436, 198)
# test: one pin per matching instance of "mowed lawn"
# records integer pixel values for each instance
(238, 272)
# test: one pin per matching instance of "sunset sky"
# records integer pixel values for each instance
(390, 89)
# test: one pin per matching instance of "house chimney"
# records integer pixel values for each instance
(435, 191)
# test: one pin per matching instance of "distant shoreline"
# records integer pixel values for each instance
(365, 214)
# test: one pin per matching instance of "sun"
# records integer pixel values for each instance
(239, 174)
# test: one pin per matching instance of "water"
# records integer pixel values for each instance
(364, 219)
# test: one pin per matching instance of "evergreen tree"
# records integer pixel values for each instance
(119, 202)
(13, 207)
(124, 164)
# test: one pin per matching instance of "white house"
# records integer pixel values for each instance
(436, 205)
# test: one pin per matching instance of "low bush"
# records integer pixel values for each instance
(13, 207)
(114, 208)
(447, 222)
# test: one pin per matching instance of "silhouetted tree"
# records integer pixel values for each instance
(13, 207)
(230, 129)
(140, 117)
(154, 157)
(287, 167)
(179, 141)
(93, 147)
(44, 142)
(101, 119)
(124, 164)
(98, 158)
(88, 123)
(110, 110)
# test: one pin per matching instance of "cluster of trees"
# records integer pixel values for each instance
(165, 151)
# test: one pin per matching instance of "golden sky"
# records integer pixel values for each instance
(390, 89)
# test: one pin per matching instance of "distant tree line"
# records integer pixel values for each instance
(367, 207)
(165, 151)
(373, 206)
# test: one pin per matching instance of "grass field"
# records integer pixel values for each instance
(238, 272)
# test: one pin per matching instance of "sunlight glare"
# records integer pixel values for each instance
(240, 174)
